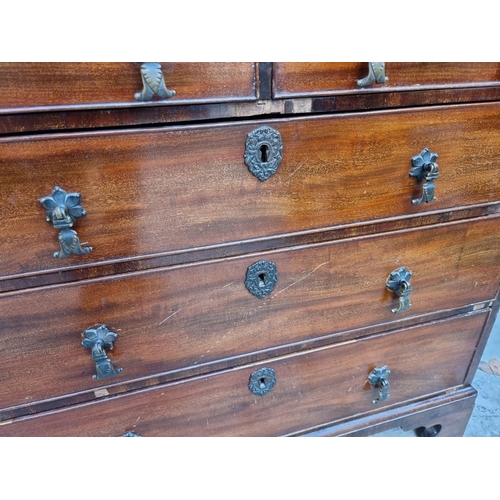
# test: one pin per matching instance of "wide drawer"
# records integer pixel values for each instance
(311, 388)
(171, 189)
(201, 316)
(313, 78)
(46, 86)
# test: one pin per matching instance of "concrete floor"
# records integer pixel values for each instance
(485, 419)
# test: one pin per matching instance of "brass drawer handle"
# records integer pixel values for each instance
(398, 282)
(153, 83)
(378, 380)
(62, 209)
(98, 340)
(262, 381)
(376, 73)
(425, 169)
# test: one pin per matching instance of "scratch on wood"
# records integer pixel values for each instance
(168, 317)
(228, 284)
(300, 166)
(301, 279)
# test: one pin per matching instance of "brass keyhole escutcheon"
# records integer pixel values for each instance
(261, 278)
(263, 152)
(262, 381)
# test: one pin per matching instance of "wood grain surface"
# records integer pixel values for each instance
(45, 86)
(315, 78)
(451, 411)
(171, 189)
(311, 388)
(157, 113)
(187, 316)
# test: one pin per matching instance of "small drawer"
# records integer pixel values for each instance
(212, 314)
(59, 86)
(172, 189)
(283, 395)
(323, 79)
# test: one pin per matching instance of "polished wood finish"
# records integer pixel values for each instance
(305, 78)
(175, 219)
(47, 86)
(451, 411)
(327, 384)
(156, 113)
(121, 266)
(182, 317)
(159, 190)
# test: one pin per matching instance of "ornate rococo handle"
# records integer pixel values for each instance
(378, 379)
(153, 83)
(425, 169)
(398, 282)
(62, 209)
(376, 73)
(98, 339)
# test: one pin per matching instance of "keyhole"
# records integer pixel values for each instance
(262, 280)
(262, 382)
(264, 153)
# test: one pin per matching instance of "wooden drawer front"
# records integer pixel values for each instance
(165, 190)
(311, 388)
(192, 316)
(308, 79)
(45, 86)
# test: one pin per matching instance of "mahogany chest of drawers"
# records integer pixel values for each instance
(246, 249)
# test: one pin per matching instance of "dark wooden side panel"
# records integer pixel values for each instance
(43, 86)
(191, 315)
(171, 189)
(313, 78)
(311, 388)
